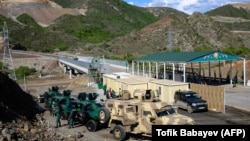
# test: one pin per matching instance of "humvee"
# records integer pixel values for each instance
(138, 112)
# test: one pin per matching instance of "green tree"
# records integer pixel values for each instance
(239, 51)
(23, 70)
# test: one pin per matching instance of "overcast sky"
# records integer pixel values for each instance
(187, 6)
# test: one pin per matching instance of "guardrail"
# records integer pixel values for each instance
(38, 53)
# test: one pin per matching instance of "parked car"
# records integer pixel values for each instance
(190, 100)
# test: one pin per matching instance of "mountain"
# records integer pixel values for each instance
(164, 11)
(101, 22)
(44, 12)
(236, 10)
(236, 18)
(118, 30)
(198, 32)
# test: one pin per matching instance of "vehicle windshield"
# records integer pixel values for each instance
(165, 112)
(192, 95)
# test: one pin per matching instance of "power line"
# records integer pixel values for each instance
(170, 39)
(170, 36)
(7, 58)
(169, 33)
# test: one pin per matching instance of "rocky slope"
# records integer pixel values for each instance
(44, 12)
(184, 34)
(174, 31)
(18, 109)
(181, 32)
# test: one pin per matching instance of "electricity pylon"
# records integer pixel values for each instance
(169, 33)
(7, 58)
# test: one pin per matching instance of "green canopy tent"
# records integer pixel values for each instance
(182, 59)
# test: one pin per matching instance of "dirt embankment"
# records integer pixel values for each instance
(22, 117)
(44, 12)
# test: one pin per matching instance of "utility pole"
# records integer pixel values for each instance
(169, 34)
(7, 58)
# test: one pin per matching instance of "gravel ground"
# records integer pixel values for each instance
(101, 135)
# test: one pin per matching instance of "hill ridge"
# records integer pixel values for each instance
(44, 12)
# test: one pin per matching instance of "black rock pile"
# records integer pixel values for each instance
(21, 117)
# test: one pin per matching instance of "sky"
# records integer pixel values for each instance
(187, 6)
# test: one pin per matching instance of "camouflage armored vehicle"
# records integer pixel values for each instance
(47, 96)
(138, 112)
(93, 114)
(60, 99)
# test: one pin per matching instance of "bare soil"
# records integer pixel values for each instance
(44, 12)
(78, 84)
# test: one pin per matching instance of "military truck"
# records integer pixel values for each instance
(137, 113)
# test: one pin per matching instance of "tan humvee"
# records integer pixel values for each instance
(137, 113)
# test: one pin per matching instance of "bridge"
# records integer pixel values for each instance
(91, 65)
(75, 65)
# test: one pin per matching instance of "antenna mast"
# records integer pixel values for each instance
(7, 58)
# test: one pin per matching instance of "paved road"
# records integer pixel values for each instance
(232, 116)
(237, 110)
(238, 97)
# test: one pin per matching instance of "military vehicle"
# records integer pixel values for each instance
(93, 114)
(54, 96)
(47, 95)
(137, 113)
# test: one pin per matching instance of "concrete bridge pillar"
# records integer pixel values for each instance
(60, 64)
(70, 74)
(64, 69)
(75, 71)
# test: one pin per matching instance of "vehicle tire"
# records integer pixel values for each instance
(82, 117)
(91, 125)
(189, 109)
(104, 115)
(119, 133)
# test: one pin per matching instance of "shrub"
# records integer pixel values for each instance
(23, 70)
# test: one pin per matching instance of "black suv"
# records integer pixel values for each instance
(190, 101)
